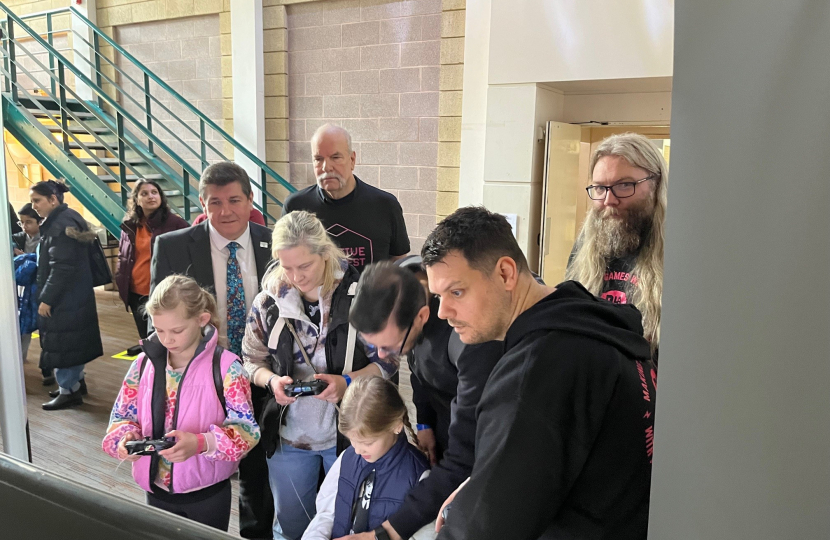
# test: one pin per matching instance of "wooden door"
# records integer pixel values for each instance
(560, 199)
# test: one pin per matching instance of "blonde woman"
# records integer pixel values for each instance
(298, 330)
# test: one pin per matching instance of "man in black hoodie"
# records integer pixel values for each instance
(394, 314)
(565, 424)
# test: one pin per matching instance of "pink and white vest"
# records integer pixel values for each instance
(199, 408)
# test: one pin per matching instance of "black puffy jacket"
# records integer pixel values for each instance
(70, 336)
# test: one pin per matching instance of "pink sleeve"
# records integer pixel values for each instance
(124, 416)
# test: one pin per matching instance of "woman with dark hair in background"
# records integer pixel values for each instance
(68, 319)
(149, 216)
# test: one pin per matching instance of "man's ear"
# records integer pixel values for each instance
(423, 314)
(202, 202)
(507, 272)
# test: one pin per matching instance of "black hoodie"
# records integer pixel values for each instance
(565, 428)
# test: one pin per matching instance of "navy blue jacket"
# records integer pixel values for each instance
(395, 474)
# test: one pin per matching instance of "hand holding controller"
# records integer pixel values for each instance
(148, 446)
(310, 388)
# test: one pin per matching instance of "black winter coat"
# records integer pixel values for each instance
(70, 336)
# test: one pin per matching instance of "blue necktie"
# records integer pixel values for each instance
(236, 302)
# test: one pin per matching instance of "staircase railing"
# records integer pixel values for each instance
(146, 99)
(93, 122)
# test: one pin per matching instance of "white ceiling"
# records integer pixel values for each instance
(612, 86)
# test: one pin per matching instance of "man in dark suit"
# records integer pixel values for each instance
(228, 256)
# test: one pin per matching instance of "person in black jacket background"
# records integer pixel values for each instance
(394, 313)
(565, 429)
(68, 318)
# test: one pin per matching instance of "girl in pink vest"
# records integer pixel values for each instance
(202, 399)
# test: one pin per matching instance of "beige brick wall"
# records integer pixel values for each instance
(450, 86)
(186, 54)
(371, 66)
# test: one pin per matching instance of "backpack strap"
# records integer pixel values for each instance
(352, 337)
(217, 377)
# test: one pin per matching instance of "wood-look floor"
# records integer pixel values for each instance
(69, 442)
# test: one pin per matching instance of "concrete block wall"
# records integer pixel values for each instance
(114, 14)
(186, 54)
(372, 66)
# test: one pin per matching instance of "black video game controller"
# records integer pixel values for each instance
(310, 388)
(148, 446)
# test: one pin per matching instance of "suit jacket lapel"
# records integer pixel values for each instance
(200, 258)
(261, 239)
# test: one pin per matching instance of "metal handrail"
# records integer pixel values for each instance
(210, 123)
(146, 109)
(126, 94)
(266, 172)
(62, 61)
(78, 120)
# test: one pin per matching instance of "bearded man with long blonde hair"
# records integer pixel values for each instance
(618, 254)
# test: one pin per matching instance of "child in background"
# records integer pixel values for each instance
(214, 427)
(28, 239)
(25, 274)
(370, 479)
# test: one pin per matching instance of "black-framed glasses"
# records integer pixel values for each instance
(622, 190)
(397, 352)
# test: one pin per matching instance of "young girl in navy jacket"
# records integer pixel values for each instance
(370, 479)
(185, 386)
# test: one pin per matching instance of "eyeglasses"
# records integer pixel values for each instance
(397, 352)
(623, 190)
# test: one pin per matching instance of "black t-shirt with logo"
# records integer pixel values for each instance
(619, 281)
(367, 223)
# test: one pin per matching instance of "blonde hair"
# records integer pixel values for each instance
(588, 266)
(372, 406)
(300, 228)
(176, 290)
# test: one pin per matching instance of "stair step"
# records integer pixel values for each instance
(94, 146)
(37, 113)
(111, 161)
(130, 178)
(54, 128)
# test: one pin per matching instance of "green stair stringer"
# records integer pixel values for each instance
(90, 191)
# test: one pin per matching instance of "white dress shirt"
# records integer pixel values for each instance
(247, 266)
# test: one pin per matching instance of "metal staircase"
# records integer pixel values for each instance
(74, 105)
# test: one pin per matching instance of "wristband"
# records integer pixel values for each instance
(422, 427)
(381, 534)
(268, 384)
(200, 437)
(348, 380)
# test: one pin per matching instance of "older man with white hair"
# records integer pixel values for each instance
(366, 222)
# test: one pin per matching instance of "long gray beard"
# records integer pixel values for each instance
(618, 238)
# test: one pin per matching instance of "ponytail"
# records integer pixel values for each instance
(51, 188)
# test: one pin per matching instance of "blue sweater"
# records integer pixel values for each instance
(25, 275)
